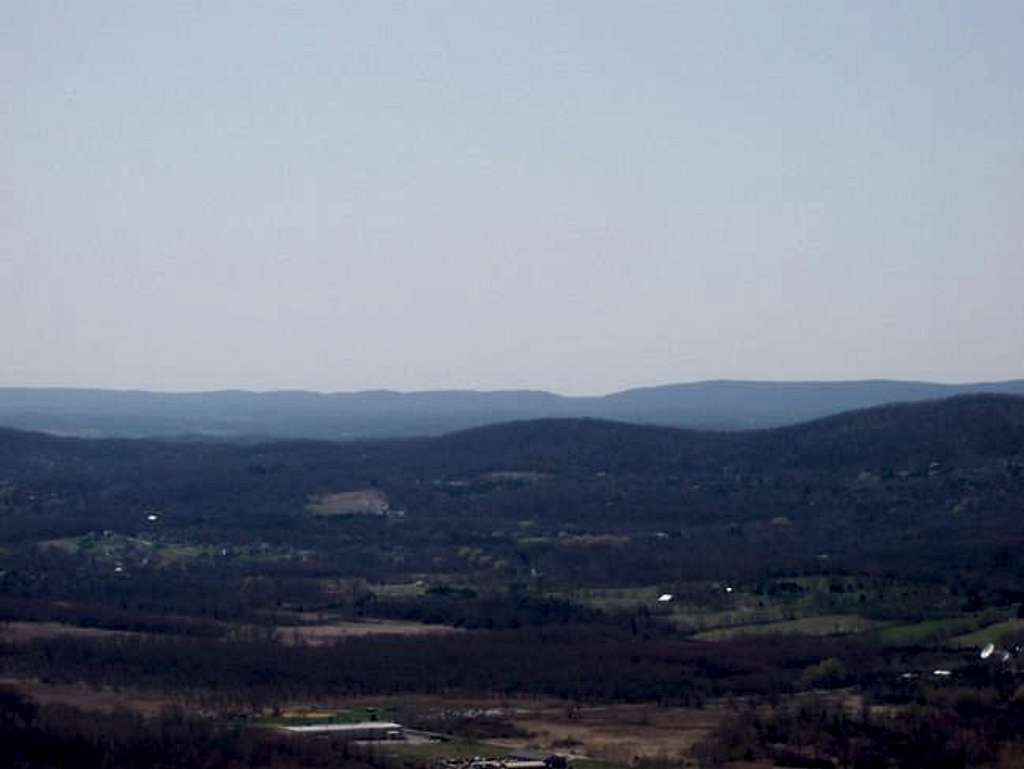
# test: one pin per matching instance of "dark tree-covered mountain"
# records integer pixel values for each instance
(887, 483)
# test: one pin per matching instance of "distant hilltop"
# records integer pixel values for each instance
(240, 415)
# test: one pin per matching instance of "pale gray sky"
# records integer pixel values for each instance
(578, 196)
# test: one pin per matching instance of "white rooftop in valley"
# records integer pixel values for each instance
(359, 726)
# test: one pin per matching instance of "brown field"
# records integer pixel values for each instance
(617, 734)
(26, 632)
(90, 699)
(360, 502)
(316, 635)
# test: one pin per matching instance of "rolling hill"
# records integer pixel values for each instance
(969, 441)
(929, 490)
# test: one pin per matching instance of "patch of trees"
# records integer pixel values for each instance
(490, 611)
(62, 737)
(584, 663)
(106, 617)
(949, 728)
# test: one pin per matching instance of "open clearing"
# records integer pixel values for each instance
(359, 502)
(999, 633)
(431, 752)
(26, 632)
(618, 734)
(89, 698)
(318, 635)
(826, 624)
(615, 599)
(932, 631)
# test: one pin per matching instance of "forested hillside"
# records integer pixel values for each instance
(843, 484)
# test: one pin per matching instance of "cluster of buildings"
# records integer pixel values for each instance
(513, 761)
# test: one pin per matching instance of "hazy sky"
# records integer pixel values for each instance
(578, 196)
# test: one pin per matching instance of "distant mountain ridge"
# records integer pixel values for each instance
(237, 414)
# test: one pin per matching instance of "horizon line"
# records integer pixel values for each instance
(497, 391)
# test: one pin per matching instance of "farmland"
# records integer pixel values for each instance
(621, 596)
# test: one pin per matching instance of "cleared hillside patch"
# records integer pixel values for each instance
(357, 502)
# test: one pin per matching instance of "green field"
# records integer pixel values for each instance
(612, 599)
(826, 624)
(400, 590)
(999, 633)
(436, 751)
(933, 631)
